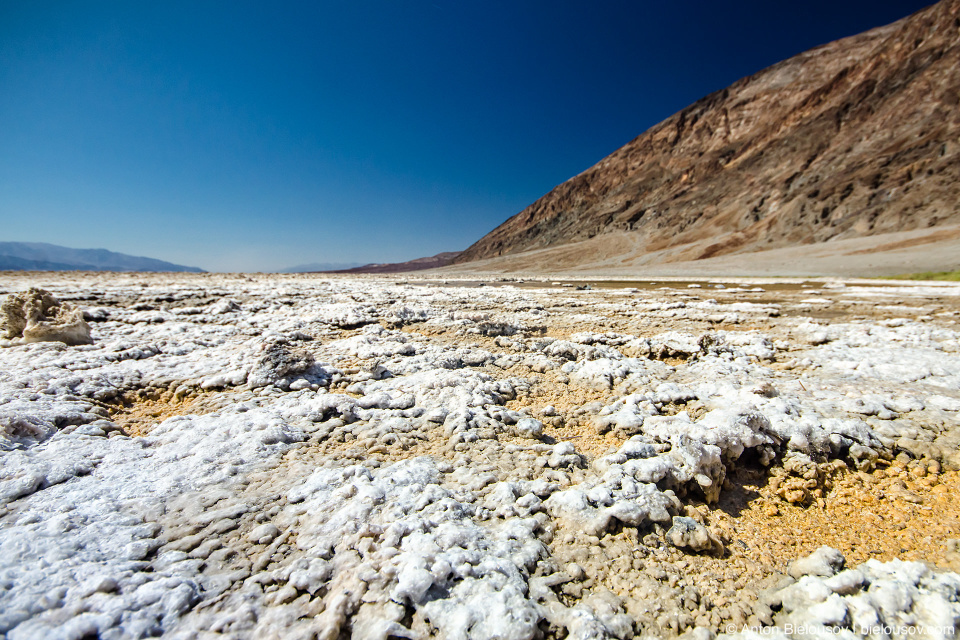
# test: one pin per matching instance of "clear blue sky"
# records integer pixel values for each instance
(255, 136)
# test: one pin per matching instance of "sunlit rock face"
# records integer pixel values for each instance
(853, 138)
(304, 456)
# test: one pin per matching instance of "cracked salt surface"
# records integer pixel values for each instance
(381, 460)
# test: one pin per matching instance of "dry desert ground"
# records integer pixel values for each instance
(306, 456)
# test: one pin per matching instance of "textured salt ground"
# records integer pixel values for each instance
(136, 416)
(895, 512)
(891, 513)
(899, 511)
(660, 590)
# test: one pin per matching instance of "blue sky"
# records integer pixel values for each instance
(256, 136)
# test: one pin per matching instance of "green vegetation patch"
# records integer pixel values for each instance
(931, 275)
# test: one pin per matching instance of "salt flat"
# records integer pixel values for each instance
(266, 456)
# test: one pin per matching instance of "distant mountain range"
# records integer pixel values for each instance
(321, 266)
(431, 262)
(40, 256)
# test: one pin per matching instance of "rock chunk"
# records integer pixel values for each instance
(264, 534)
(528, 428)
(824, 562)
(277, 361)
(687, 533)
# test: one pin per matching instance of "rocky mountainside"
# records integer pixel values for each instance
(854, 138)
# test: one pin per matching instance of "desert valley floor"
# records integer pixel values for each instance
(265, 456)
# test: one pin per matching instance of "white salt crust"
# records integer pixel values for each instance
(207, 527)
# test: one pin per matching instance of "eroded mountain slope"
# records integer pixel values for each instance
(857, 137)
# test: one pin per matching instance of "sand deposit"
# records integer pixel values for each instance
(312, 457)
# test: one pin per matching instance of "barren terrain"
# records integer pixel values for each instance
(298, 456)
(626, 254)
(855, 138)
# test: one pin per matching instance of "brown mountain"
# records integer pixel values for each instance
(431, 262)
(854, 138)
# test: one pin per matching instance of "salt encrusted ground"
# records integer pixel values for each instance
(299, 456)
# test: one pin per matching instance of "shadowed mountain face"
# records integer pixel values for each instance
(857, 137)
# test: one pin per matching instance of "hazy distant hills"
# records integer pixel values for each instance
(39, 256)
(321, 266)
(852, 139)
(431, 262)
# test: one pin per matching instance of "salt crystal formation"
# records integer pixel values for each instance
(354, 457)
(36, 316)
(874, 600)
